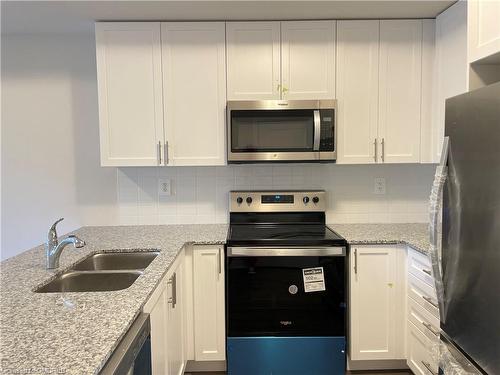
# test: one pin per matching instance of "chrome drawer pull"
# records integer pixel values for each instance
(429, 299)
(429, 327)
(428, 272)
(428, 367)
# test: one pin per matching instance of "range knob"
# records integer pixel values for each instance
(249, 200)
(305, 200)
(239, 200)
(315, 199)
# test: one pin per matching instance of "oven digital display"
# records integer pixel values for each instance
(278, 198)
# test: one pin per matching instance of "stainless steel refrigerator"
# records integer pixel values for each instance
(467, 269)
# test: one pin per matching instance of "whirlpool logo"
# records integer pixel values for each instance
(286, 323)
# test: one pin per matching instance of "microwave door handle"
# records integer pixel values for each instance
(317, 129)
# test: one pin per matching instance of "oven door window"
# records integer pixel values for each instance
(266, 297)
(272, 131)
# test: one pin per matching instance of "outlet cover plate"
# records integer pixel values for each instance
(379, 185)
(164, 187)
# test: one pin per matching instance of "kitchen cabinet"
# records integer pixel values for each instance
(167, 315)
(377, 303)
(130, 92)
(209, 303)
(280, 60)
(379, 82)
(484, 30)
(253, 60)
(162, 93)
(194, 87)
(357, 91)
(400, 71)
(308, 60)
(419, 358)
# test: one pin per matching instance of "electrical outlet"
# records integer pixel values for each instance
(379, 185)
(164, 187)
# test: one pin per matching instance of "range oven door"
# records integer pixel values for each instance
(281, 131)
(273, 324)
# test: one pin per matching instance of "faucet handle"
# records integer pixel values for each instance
(52, 230)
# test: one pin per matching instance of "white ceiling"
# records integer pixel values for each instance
(79, 16)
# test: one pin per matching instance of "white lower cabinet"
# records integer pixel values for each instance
(166, 309)
(420, 360)
(209, 303)
(377, 303)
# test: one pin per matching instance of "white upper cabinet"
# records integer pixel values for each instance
(357, 91)
(400, 90)
(194, 89)
(130, 92)
(377, 298)
(308, 59)
(483, 29)
(253, 60)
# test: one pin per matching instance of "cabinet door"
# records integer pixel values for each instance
(158, 311)
(175, 321)
(484, 29)
(253, 60)
(357, 91)
(209, 302)
(377, 303)
(194, 85)
(130, 93)
(400, 90)
(308, 59)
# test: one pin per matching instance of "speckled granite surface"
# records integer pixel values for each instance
(415, 235)
(75, 333)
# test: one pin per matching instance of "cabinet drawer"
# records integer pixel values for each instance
(423, 294)
(420, 356)
(423, 319)
(419, 265)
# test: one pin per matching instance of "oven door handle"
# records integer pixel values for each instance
(285, 251)
(317, 130)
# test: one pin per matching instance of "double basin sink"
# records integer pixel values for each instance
(101, 272)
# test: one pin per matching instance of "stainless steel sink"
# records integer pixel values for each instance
(90, 281)
(117, 261)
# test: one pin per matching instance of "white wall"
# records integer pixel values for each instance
(50, 154)
(201, 194)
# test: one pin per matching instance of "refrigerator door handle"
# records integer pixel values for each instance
(434, 210)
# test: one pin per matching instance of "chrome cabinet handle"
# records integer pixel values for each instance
(429, 299)
(159, 152)
(219, 266)
(355, 261)
(428, 272)
(166, 154)
(429, 327)
(173, 281)
(383, 150)
(428, 367)
(375, 150)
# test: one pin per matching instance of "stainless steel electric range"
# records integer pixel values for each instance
(285, 285)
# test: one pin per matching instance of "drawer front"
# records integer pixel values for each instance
(419, 265)
(423, 294)
(420, 357)
(424, 320)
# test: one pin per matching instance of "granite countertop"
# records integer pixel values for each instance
(75, 333)
(415, 235)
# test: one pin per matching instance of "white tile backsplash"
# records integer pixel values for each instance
(200, 194)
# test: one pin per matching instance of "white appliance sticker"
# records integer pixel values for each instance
(314, 279)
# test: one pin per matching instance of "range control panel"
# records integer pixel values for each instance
(277, 201)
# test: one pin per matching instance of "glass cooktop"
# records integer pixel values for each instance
(283, 234)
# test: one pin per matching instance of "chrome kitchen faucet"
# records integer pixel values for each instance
(54, 248)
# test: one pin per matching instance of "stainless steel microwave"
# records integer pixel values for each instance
(281, 131)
